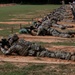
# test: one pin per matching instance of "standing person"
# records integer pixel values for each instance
(73, 10)
(73, 2)
(63, 2)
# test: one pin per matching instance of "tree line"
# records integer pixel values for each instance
(35, 1)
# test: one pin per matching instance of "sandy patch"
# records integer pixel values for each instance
(48, 39)
(22, 59)
(20, 22)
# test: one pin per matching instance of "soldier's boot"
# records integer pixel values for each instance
(65, 35)
(63, 55)
(42, 52)
(73, 56)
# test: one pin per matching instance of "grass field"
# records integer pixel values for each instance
(21, 13)
(37, 69)
(25, 11)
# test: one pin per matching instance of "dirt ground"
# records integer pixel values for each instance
(21, 59)
(19, 22)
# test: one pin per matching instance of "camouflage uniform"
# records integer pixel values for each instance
(73, 10)
(51, 31)
(60, 12)
(26, 48)
(52, 23)
(55, 32)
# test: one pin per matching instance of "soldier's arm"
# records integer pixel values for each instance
(59, 26)
(9, 51)
(55, 25)
(5, 52)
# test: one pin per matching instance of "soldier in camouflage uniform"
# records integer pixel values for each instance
(56, 13)
(52, 22)
(26, 48)
(53, 32)
(45, 29)
(72, 5)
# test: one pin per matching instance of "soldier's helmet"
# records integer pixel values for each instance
(4, 40)
(34, 23)
(4, 43)
(53, 20)
(13, 38)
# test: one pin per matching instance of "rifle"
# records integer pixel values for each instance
(4, 42)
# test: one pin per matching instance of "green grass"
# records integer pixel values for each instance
(7, 32)
(9, 26)
(46, 44)
(25, 11)
(21, 13)
(37, 69)
(6, 28)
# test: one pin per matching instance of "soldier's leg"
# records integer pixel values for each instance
(55, 54)
(55, 32)
(35, 50)
(63, 55)
(59, 26)
(65, 35)
(39, 51)
(40, 30)
(73, 56)
(68, 34)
